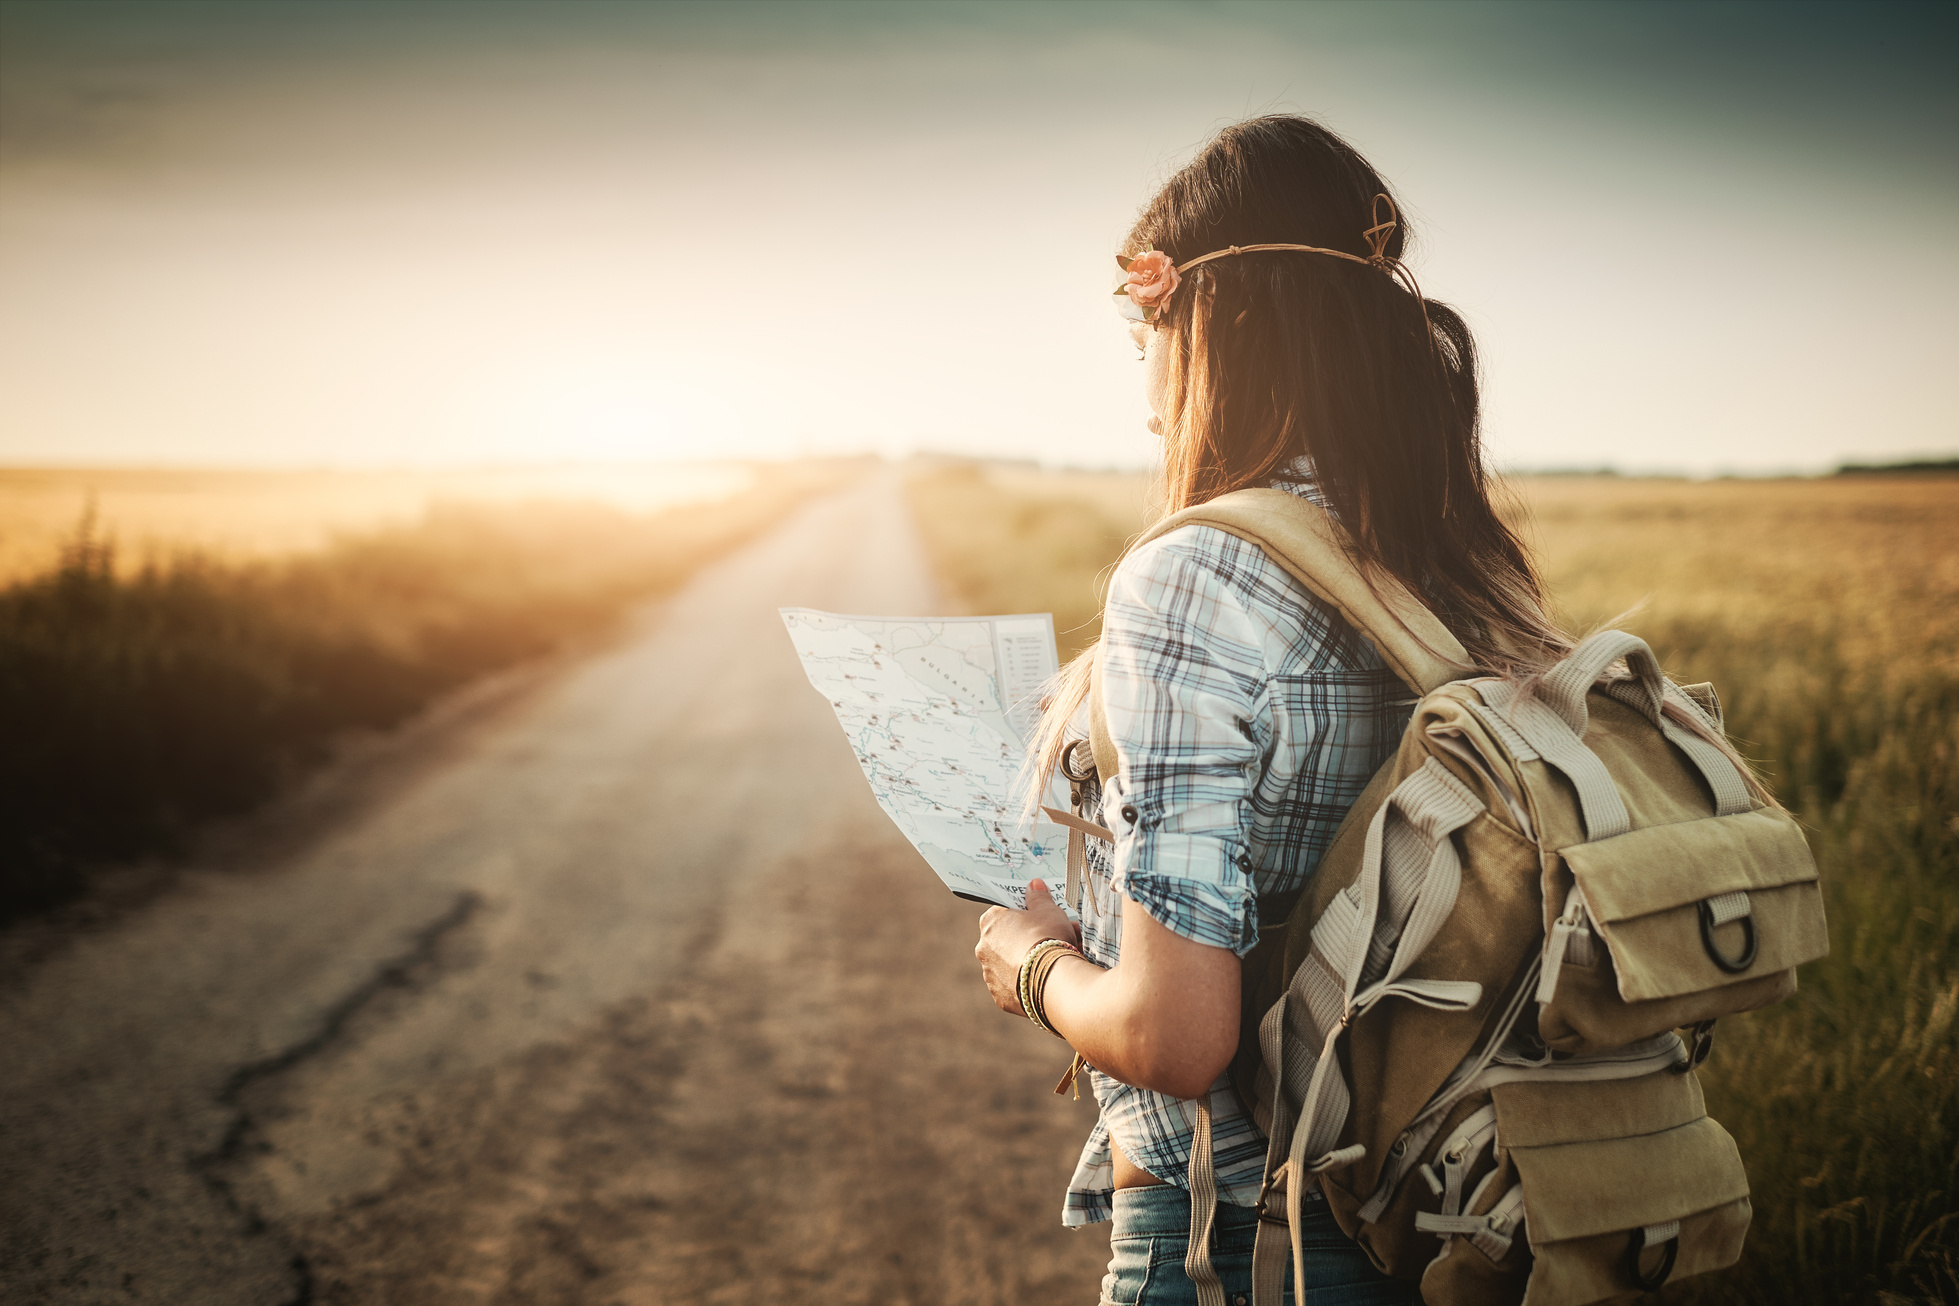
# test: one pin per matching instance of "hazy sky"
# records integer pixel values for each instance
(1701, 237)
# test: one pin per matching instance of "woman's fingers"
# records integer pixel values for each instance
(1006, 935)
(1042, 906)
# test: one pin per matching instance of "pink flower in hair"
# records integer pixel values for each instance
(1152, 278)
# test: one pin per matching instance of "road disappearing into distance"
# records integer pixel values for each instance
(607, 983)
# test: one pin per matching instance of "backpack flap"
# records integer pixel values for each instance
(1702, 905)
(1626, 1184)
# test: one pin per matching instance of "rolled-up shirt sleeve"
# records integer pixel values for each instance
(1184, 688)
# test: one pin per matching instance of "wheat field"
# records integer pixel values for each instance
(1826, 611)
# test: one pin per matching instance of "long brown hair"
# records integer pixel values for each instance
(1279, 354)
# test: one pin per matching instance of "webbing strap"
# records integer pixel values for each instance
(1553, 721)
(1486, 1069)
(1728, 907)
(1461, 1082)
(1491, 1233)
(1362, 945)
(1662, 1051)
(1565, 686)
(1410, 872)
(1077, 869)
(1724, 778)
(1269, 1247)
(1101, 744)
(1519, 746)
(1079, 831)
(1203, 1180)
(1304, 540)
(1502, 1224)
(1361, 948)
(1078, 824)
(1269, 1263)
(1271, 1045)
(1413, 860)
(1655, 1234)
(1550, 735)
(1460, 1153)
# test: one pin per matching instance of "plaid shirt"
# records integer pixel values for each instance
(1248, 717)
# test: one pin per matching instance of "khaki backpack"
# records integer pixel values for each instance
(1463, 1030)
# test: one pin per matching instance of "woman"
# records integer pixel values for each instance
(1246, 715)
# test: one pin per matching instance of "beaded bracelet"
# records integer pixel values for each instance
(1034, 968)
(1025, 984)
(1037, 986)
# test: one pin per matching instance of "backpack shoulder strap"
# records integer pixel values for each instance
(1304, 539)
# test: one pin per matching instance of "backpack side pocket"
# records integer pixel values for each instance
(1626, 1185)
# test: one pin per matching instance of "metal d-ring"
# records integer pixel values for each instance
(1732, 965)
(1077, 772)
(1637, 1244)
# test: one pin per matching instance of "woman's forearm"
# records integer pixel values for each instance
(1097, 1012)
(1165, 1018)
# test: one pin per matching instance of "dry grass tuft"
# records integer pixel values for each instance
(1827, 613)
(139, 702)
(241, 515)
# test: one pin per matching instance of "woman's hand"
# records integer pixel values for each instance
(1006, 935)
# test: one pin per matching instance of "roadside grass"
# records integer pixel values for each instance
(240, 515)
(1827, 613)
(138, 702)
(1034, 545)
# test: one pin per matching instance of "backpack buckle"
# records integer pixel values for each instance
(1701, 1048)
(1273, 1188)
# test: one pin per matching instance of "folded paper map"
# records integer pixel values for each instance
(939, 711)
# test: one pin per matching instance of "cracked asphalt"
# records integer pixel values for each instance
(605, 983)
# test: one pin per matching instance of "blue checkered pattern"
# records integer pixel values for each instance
(1248, 718)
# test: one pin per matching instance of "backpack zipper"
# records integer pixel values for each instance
(1572, 939)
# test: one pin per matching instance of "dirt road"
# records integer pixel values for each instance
(610, 986)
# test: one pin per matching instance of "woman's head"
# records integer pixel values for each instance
(1258, 358)
(1264, 357)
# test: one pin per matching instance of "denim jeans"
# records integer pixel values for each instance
(1152, 1232)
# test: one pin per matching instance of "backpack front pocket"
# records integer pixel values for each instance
(1702, 904)
(1610, 1213)
(1671, 925)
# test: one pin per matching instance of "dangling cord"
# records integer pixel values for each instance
(1071, 1079)
(1377, 237)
